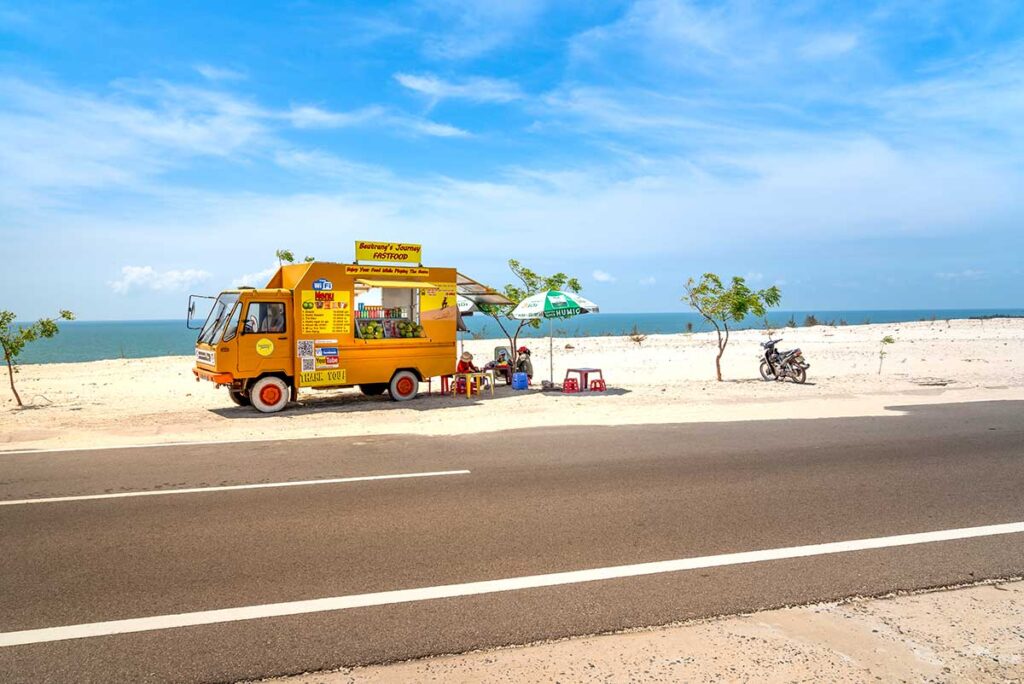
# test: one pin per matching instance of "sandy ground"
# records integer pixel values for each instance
(973, 634)
(669, 378)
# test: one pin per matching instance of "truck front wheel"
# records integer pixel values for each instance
(269, 394)
(404, 386)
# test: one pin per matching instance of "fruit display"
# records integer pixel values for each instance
(371, 330)
(409, 329)
(388, 329)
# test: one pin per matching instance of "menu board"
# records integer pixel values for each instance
(326, 312)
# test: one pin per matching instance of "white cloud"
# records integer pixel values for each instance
(476, 27)
(257, 279)
(754, 277)
(67, 140)
(213, 73)
(473, 89)
(966, 274)
(827, 45)
(434, 129)
(146, 277)
(603, 276)
(56, 142)
(315, 117)
(649, 281)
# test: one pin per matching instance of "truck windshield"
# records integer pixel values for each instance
(218, 316)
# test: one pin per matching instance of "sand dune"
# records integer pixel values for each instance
(670, 378)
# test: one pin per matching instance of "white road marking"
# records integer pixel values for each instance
(207, 617)
(230, 488)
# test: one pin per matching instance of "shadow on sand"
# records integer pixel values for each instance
(354, 402)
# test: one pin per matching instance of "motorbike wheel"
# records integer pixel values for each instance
(799, 375)
(766, 371)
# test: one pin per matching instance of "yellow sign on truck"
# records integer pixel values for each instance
(385, 328)
(389, 252)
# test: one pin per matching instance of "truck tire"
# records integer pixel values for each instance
(240, 398)
(373, 389)
(269, 394)
(404, 386)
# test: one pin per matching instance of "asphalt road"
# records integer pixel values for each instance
(534, 502)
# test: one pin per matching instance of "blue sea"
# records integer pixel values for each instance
(95, 340)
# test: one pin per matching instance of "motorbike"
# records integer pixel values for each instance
(779, 365)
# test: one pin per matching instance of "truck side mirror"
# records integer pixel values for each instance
(192, 311)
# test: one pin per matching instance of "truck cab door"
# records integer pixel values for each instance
(265, 341)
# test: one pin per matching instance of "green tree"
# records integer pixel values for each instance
(286, 256)
(13, 339)
(530, 283)
(720, 305)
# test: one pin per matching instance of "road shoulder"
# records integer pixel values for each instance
(965, 634)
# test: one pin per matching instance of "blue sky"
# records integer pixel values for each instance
(860, 154)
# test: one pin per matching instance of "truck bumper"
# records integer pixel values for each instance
(218, 378)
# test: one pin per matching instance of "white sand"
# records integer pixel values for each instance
(973, 634)
(670, 378)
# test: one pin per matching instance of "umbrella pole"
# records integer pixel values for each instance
(551, 351)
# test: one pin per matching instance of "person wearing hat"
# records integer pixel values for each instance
(523, 362)
(466, 364)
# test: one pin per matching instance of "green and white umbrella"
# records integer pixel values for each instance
(551, 305)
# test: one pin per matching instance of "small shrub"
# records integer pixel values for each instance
(888, 339)
(811, 320)
(637, 336)
(791, 323)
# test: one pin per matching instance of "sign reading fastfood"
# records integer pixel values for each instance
(389, 252)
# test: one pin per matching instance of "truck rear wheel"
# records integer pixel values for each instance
(269, 394)
(404, 386)
(240, 398)
(373, 389)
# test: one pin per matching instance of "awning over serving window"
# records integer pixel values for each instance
(478, 293)
(406, 284)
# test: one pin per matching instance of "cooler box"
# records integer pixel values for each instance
(520, 381)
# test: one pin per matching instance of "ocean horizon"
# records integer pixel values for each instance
(99, 340)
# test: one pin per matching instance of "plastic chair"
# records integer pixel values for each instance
(571, 386)
(598, 385)
(459, 388)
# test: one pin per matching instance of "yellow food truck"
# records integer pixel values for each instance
(384, 323)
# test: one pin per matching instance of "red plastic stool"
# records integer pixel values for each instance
(570, 386)
(598, 385)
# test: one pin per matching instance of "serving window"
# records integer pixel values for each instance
(388, 309)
